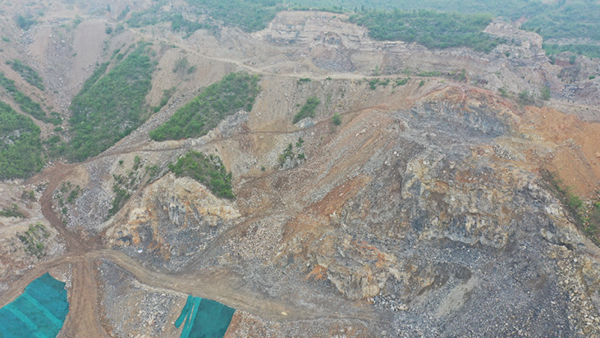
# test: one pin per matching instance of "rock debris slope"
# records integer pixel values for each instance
(425, 212)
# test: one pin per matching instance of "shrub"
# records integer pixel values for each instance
(303, 80)
(155, 15)
(503, 92)
(308, 110)
(121, 197)
(336, 119)
(401, 82)
(181, 66)
(25, 22)
(34, 240)
(373, 84)
(526, 98)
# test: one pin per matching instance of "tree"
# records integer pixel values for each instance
(336, 119)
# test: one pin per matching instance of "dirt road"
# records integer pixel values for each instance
(82, 253)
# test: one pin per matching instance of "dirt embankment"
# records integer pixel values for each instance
(574, 148)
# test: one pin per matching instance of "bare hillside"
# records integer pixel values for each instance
(440, 201)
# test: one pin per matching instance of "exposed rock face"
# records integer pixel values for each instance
(24, 241)
(173, 219)
(422, 214)
(507, 30)
(429, 214)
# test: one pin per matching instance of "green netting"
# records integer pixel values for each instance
(185, 312)
(204, 318)
(39, 312)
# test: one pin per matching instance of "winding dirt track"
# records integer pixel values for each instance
(82, 253)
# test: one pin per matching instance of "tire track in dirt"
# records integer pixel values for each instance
(81, 252)
(83, 319)
(221, 285)
(55, 175)
(225, 287)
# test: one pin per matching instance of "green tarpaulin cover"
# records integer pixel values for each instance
(204, 318)
(38, 313)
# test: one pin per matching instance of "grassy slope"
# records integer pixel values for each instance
(20, 145)
(234, 92)
(110, 107)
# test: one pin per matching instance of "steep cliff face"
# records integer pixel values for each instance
(172, 220)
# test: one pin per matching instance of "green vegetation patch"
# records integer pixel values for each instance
(167, 94)
(98, 72)
(155, 15)
(34, 240)
(121, 197)
(67, 195)
(591, 51)
(110, 107)
(126, 184)
(290, 158)
(27, 73)
(525, 98)
(208, 170)
(249, 15)
(552, 19)
(26, 104)
(20, 145)
(234, 92)
(12, 212)
(567, 20)
(432, 23)
(308, 110)
(25, 22)
(430, 28)
(303, 80)
(336, 119)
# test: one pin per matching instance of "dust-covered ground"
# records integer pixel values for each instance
(423, 214)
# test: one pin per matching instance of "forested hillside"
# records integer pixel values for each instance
(430, 28)
(561, 19)
(578, 19)
(110, 107)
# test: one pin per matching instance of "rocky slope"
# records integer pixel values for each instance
(424, 213)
